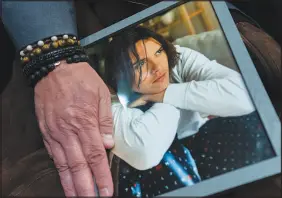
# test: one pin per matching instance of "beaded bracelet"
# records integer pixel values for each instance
(40, 58)
(51, 57)
(37, 67)
(46, 45)
(52, 53)
(56, 58)
(77, 58)
(43, 71)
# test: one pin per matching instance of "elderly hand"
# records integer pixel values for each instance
(73, 109)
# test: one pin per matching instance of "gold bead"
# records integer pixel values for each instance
(55, 44)
(25, 59)
(61, 42)
(46, 47)
(37, 51)
(78, 42)
(70, 41)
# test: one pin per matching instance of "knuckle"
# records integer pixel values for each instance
(95, 156)
(78, 166)
(70, 111)
(41, 125)
(105, 92)
(79, 113)
(62, 167)
(106, 121)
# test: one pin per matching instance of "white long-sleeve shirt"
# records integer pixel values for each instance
(199, 87)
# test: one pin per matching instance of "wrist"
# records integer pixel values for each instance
(41, 71)
(61, 72)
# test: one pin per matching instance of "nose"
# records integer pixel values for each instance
(155, 68)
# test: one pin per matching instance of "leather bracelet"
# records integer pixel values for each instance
(52, 53)
(37, 65)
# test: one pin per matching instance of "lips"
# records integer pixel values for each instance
(160, 78)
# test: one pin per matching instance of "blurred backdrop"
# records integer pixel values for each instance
(193, 25)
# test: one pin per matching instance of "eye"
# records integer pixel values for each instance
(140, 64)
(159, 51)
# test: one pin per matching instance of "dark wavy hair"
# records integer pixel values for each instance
(118, 62)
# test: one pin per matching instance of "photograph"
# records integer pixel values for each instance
(181, 110)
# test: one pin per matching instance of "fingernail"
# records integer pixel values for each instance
(108, 136)
(104, 192)
(108, 141)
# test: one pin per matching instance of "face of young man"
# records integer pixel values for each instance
(154, 66)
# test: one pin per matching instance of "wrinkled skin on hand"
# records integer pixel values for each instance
(73, 109)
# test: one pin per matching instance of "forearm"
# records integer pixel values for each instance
(210, 88)
(138, 133)
(30, 21)
(218, 97)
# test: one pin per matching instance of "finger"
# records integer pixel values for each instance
(59, 160)
(78, 166)
(43, 129)
(39, 110)
(138, 102)
(61, 164)
(106, 122)
(97, 159)
(58, 157)
(48, 148)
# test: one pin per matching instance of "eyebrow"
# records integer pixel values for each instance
(134, 64)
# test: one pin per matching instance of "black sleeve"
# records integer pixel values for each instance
(30, 21)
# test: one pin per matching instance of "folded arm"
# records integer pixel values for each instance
(142, 138)
(209, 88)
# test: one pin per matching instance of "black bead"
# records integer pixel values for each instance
(69, 60)
(51, 66)
(44, 69)
(32, 77)
(37, 73)
(75, 58)
(67, 54)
